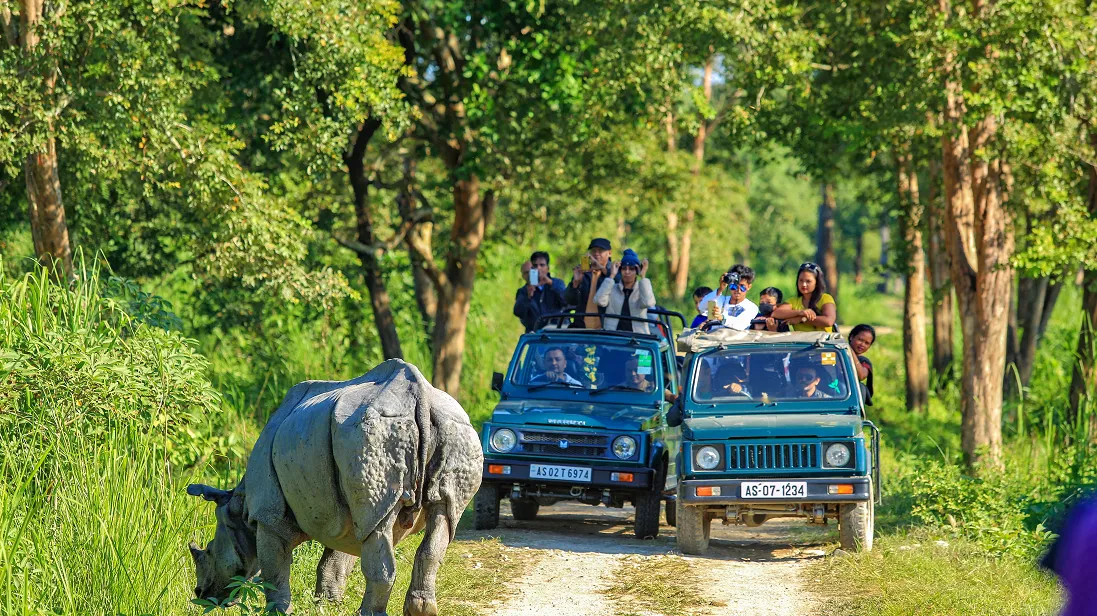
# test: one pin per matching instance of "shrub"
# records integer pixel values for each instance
(75, 357)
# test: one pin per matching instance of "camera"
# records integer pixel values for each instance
(730, 278)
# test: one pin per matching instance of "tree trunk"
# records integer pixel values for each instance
(940, 286)
(1013, 347)
(915, 355)
(1030, 312)
(824, 240)
(472, 212)
(859, 259)
(49, 229)
(885, 248)
(371, 268)
(1050, 300)
(980, 239)
(418, 242)
(1083, 382)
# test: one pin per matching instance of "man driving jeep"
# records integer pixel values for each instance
(555, 362)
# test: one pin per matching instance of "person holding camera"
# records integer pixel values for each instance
(541, 294)
(728, 304)
(768, 300)
(585, 280)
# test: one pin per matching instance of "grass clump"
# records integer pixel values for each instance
(657, 585)
(923, 572)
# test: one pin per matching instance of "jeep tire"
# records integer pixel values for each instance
(693, 527)
(647, 514)
(671, 509)
(486, 506)
(856, 522)
(524, 509)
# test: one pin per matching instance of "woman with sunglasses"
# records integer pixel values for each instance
(812, 309)
(629, 298)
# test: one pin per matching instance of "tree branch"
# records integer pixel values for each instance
(377, 249)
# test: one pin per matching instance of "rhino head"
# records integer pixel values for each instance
(231, 553)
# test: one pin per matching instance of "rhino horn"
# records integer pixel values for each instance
(209, 493)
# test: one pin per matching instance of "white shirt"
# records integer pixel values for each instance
(736, 316)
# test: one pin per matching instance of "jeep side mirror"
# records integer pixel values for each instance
(865, 395)
(497, 381)
(674, 415)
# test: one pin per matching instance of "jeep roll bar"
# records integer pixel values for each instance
(662, 323)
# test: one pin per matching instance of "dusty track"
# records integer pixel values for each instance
(578, 548)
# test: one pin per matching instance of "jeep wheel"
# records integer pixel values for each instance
(524, 509)
(647, 514)
(671, 509)
(693, 527)
(856, 522)
(486, 505)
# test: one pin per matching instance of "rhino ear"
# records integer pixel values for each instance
(195, 552)
(209, 493)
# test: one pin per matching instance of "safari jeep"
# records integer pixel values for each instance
(582, 417)
(773, 425)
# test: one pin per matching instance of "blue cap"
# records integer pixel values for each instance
(630, 258)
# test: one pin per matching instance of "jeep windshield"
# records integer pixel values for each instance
(768, 375)
(597, 366)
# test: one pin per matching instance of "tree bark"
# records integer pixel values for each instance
(859, 259)
(885, 248)
(1083, 382)
(371, 268)
(980, 243)
(824, 239)
(1052, 298)
(940, 287)
(915, 354)
(472, 212)
(418, 242)
(46, 210)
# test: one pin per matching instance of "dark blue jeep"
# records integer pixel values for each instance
(773, 425)
(582, 417)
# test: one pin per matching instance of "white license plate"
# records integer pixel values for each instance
(560, 473)
(773, 489)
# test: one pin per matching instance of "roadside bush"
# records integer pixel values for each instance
(75, 357)
(993, 511)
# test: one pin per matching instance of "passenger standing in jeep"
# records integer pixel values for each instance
(541, 294)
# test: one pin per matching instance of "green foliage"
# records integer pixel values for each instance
(245, 595)
(77, 359)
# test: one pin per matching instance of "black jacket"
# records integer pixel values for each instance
(546, 300)
(577, 298)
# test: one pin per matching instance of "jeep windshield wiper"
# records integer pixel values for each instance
(541, 386)
(595, 392)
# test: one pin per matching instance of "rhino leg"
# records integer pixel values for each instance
(331, 575)
(421, 599)
(379, 568)
(275, 562)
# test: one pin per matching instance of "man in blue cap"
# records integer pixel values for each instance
(584, 284)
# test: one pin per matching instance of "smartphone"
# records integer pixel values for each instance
(584, 262)
(534, 276)
(712, 309)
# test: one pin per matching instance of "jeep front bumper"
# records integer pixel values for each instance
(818, 491)
(601, 476)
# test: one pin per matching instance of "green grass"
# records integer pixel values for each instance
(911, 573)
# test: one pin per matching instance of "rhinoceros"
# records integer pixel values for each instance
(357, 466)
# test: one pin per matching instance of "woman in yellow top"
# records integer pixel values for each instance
(813, 309)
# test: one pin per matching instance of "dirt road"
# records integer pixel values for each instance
(580, 551)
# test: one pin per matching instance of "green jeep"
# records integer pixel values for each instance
(773, 425)
(583, 418)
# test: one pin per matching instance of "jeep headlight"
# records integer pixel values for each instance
(503, 440)
(837, 455)
(706, 458)
(624, 447)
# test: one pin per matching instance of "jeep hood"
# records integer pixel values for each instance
(563, 414)
(785, 425)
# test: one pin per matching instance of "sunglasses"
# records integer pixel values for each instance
(809, 266)
(738, 287)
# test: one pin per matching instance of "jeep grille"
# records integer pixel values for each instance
(794, 455)
(579, 445)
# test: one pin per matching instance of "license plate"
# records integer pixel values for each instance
(560, 473)
(773, 489)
